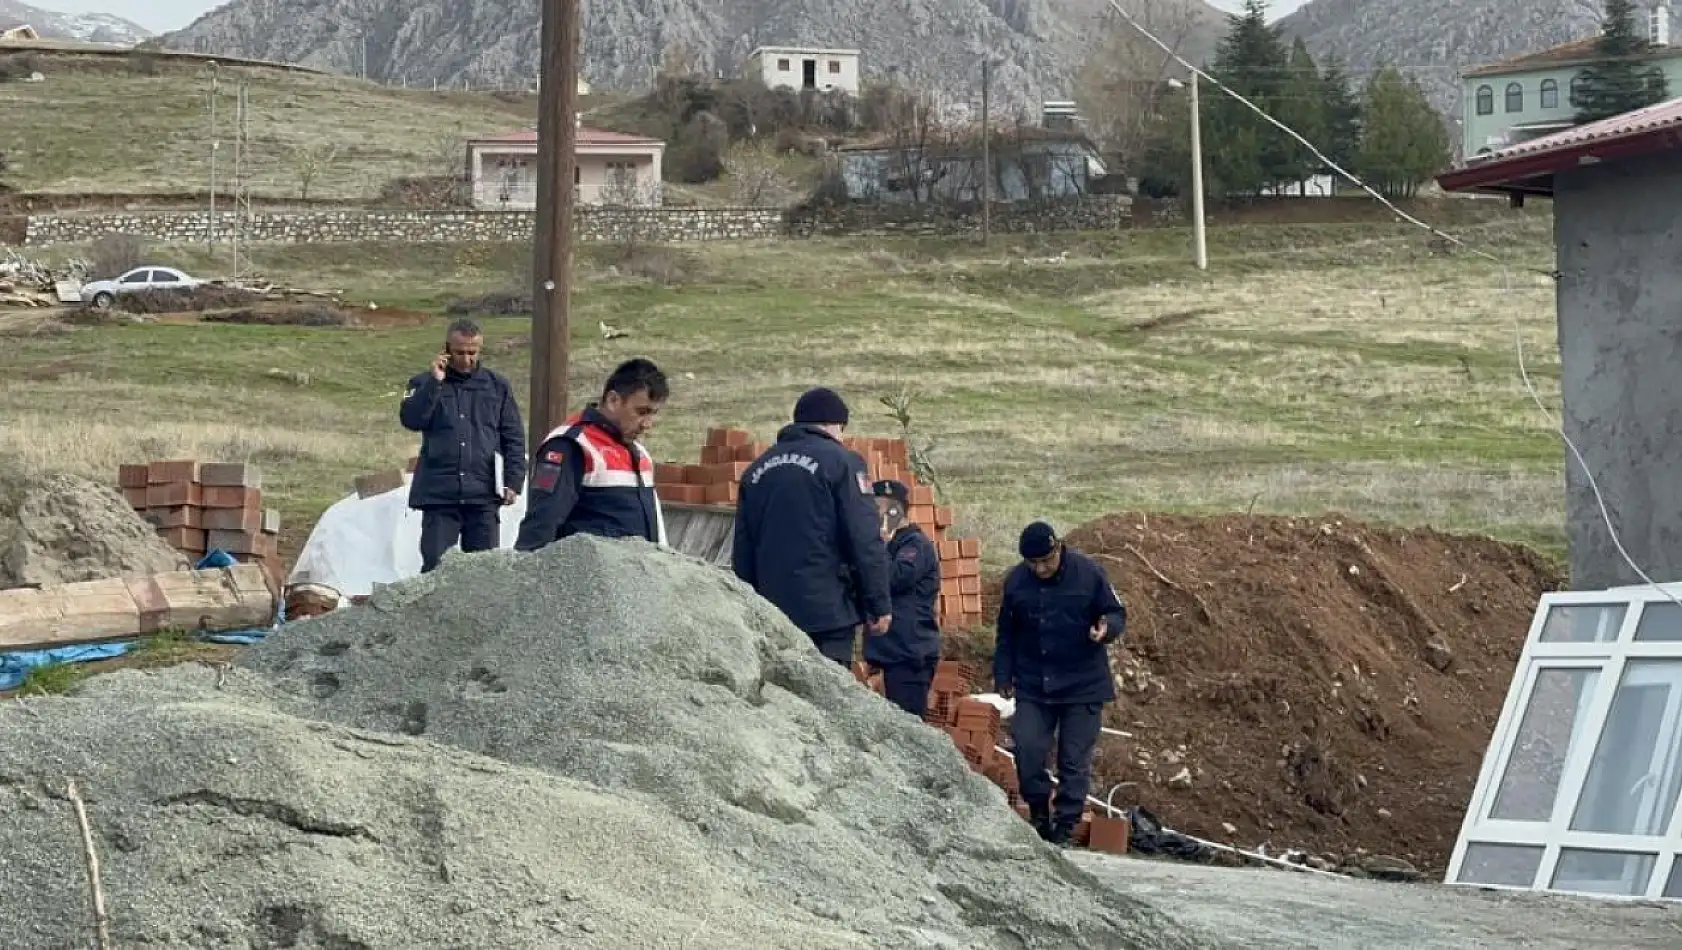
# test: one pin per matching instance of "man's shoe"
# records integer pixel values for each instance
(1041, 820)
(1062, 835)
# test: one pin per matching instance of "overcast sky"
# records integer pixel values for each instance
(163, 15)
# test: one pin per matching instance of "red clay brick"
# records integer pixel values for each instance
(174, 494)
(922, 495)
(948, 550)
(718, 454)
(230, 475)
(972, 605)
(969, 547)
(182, 516)
(178, 470)
(943, 517)
(667, 473)
(132, 476)
(684, 494)
(724, 473)
(235, 542)
(721, 494)
(136, 498)
(967, 585)
(185, 539)
(225, 497)
(249, 520)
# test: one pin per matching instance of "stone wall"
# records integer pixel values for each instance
(355, 226)
(657, 225)
(1091, 213)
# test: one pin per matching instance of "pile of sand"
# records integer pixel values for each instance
(620, 746)
(59, 528)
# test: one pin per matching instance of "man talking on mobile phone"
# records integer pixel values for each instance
(467, 418)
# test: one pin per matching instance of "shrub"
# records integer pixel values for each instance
(208, 297)
(506, 303)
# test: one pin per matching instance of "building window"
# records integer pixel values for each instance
(1515, 97)
(835, 66)
(1577, 87)
(782, 65)
(1549, 94)
(1486, 101)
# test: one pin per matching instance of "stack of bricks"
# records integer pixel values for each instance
(728, 452)
(199, 507)
(974, 726)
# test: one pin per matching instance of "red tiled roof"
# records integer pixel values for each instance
(586, 136)
(1576, 51)
(1530, 166)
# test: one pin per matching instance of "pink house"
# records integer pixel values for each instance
(612, 169)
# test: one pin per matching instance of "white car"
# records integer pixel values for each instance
(102, 293)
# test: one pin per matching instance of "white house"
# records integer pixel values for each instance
(612, 169)
(801, 68)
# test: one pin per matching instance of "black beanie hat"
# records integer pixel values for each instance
(888, 488)
(820, 407)
(1038, 539)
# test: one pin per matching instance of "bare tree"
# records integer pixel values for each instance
(309, 161)
(919, 150)
(757, 177)
(1119, 89)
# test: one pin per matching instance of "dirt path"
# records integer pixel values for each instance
(1280, 910)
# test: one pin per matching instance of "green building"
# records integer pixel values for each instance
(1529, 96)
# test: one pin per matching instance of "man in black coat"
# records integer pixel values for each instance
(807, 536)
(467, 418)
(909, 652)
(593, 475)
(1057, 619)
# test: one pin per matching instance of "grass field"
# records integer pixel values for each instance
(1313, 368)
(142, 126)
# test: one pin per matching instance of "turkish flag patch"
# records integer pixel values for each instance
(864, 483)
(544, 477)
(553, 455)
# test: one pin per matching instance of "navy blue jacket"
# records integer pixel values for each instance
(806, 532)
(465, 422)
(589, 480)
(914, 584)
(1044, 650)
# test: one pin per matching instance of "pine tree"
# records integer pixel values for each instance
(1618, 81)
(1302, 106)
(1245, 153)
(1403, 139)
(1342, 110)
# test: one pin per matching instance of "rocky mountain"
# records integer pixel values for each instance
(85, 27)
(1038, 45)
(1436, 40)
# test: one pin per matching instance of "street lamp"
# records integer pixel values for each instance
(1196, 173)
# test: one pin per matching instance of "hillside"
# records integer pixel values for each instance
(140, 125)
(936, 44)
(87, 27)
(1436, 40)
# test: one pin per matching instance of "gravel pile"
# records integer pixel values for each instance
(600, 740)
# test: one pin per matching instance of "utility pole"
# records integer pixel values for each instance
(242, 197)
(1197, 180)
(215, 143)
(557, 139)
(986, 150)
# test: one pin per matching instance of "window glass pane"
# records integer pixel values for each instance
(1584, 623)
(1509, 865)
(1603, 872)
(1633, 779)
(1661, 622)
(1552, 721)
(1673, 888)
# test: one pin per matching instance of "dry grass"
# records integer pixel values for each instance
(1312, 369)
(106, 126)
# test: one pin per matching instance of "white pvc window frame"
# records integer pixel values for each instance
(1610, 657)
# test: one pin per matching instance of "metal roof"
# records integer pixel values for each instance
(586, 136)
(1529, 167)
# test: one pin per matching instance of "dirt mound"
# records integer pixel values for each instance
(1317, 683)
(60, 528)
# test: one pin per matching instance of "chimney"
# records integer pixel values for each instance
(1658, 24)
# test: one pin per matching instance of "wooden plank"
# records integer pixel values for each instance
(236, 598)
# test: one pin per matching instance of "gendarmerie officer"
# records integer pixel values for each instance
(807, 536)
(909, 652)
(1057, 619)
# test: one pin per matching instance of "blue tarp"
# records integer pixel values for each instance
(15, 666)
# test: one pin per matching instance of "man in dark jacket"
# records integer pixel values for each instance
(807, 530)
(1057, 619)
(467, 418)
(592, 475)
(909, 652)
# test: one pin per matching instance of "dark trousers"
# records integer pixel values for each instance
(478, 527)
(906, 685)
(1074, 728)
(836, 644)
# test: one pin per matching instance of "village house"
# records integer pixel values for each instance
(805, 68)
(1615, 185)
(1530, 96)
(1028, 163)
(18, 33)
(612, 169)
